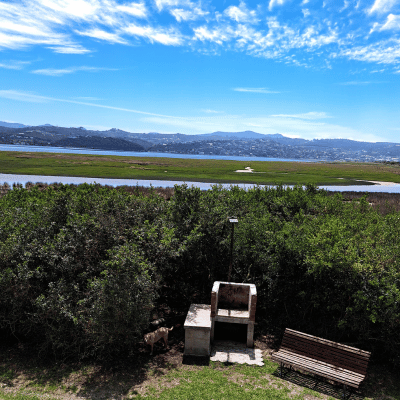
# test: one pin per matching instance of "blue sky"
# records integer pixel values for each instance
(302, 68)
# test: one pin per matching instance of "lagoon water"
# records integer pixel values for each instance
(70, 150)
(23, 179)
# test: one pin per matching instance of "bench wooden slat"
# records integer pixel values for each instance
(361, 354)
(337, 357)
(321, 352)
(328, 342)
(335, 361)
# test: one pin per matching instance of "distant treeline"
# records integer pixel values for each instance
(82, 267)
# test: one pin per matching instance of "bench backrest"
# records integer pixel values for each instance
(333, 353)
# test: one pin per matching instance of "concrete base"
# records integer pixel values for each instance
(197, 330)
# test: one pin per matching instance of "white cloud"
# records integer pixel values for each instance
(382, 6)
(34, 98)
(70, 70)
(161, 4)
(54, 72)
(208, 111)
(392, 23)
(361, 83)
(17, 65)
(65, 26)
(217, 35)
(384, 52)
(136, 9)
(294, 125)
(307, 116)
(72, 49)
(75, 9)
(181, 14)
(241, 14)
(86, 98)
(289, 126)
(345, 5)
(254, 90)
(167, 37)
(103, 35)
(272, 3)
(22, 96)
(54, 22)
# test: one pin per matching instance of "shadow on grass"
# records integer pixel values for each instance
(316, 384)
(196, 360)
(89, 380)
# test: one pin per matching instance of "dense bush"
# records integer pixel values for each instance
(81, 267)
(72, 279)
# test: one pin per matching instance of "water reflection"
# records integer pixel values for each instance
(23, 179)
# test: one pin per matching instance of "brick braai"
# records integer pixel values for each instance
(234, 303)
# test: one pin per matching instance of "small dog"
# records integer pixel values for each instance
(153, 337)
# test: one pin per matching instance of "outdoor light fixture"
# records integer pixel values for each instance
(232, 221)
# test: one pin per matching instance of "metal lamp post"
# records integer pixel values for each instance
(232, 221)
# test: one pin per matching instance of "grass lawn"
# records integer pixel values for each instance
(218, 171)
(165, 376)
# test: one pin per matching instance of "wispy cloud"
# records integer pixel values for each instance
(103, 35)
(273, 3)
(288, 126)
(304, 125)
(254, 90)
(241, 14)
(307, 116)
(392, 23)
(382, 52)
(169, 37)
(34, 98)
(70, 70)
(382, 6)
(360, 83)
(182, 14)
(309, 35)
(88, 98)
(208, 111)
(136, 9)
(70, 49)
(17, 65)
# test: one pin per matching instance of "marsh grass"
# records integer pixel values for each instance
(198, 170)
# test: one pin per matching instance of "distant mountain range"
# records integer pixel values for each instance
(12, 125)
(247, 143)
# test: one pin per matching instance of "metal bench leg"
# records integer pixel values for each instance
(344, 391)
(317, 380)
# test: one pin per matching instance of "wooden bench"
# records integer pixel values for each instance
(343, 364)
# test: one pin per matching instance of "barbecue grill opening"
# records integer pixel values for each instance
(231, 332)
